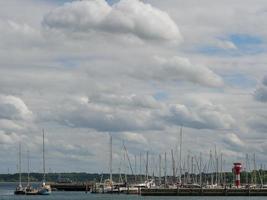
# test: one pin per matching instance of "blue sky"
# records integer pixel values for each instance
(245, 45)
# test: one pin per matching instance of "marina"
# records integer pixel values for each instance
(191, 176)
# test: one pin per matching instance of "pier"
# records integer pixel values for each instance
(205, 192)
(71, 186)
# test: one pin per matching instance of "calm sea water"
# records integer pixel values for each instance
(7, 189)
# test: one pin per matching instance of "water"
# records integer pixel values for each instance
(7, 189)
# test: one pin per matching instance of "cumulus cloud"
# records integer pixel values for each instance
(14, 108)
(14, 115)
(103, 116)
(125, 17)
(200, 116)
(133, 100)
(120, 114)
(180, 68)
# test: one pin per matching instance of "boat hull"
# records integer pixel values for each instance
(44, 192)
(19, 192)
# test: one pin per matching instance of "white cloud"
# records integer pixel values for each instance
(133, 137)
(225, 44)
(104, 116)
(125, 17)
(13, 108)
(8, 138)
(14, 34)
(15, 119)
(179, 68)
(200, 115)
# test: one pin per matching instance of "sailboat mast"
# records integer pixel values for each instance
(140, 166)
(147, 166)
(135, 168)
(165, 169)
(173, 167)
(28, 156)
(110, 160)
(20, 164)
(180, 157)
(43, 158)
(159, 169)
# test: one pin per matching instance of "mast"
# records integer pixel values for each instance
(43, 158)
(140, 166)
(159, 169)
(188, 168)
(20, 164)
(216, 165)
(192, 169)
(135, 168)
(110, 159)
(127, 156)
(173, 166)
(200, 169)
(246, 168)
(28, 155)
(221, 170)
(255, 168)
(147, 165)
(180, 156)
(165, 169)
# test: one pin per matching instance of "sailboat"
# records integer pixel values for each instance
(19, 189)
(44, 189)
(108, 185)
(29, 190)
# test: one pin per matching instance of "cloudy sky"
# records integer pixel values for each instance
(137, 70)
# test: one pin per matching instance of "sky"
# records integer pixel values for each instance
(136, 70)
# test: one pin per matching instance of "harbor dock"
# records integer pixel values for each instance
(205, 192)
(71, 186)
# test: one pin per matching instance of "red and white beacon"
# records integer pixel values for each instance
(237, 169)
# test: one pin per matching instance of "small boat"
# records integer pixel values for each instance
(30, 191)
(44, 189)
(19, 190)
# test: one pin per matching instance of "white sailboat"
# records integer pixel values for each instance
(29, 190)
(44, 189)
(19, 189)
